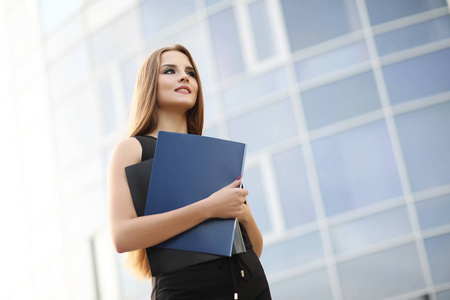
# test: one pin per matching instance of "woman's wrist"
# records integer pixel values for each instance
(204, 209)
(245, 216)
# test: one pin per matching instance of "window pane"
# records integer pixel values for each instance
(266, 126)
(100, 12)
(226, 45)
(332, 61)
(425, 144)
(38, 163)
(84, 132)
(262, 29)
(158, 15)
(315, 285)
(340, 100)
(370, 230)
(49, 282)
(293, 253)
(80, 266)
(106, 268)
(46, 232)
(107, 104)
(212, 132)
(54, 13)
(115, 39)
(30, 67)
(64, 37)
(312, 22)
(383, 274)
(438, 248)
(381, 11)
(128, 72)
(418, 77)
(293, 187)
(413, 36)
(34, 102)
(444, 295)
(210, 106)
(356, 168)
(86, 209)
(434, 212)
(254, 89)
(70, 71)
(212, 2)
(80, 178)
(257, 198)
(21, 34)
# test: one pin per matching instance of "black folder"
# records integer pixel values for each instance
(161, 260)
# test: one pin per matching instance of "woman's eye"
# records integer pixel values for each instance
(169, 71)
(191, 73)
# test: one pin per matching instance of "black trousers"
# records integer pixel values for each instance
(240, 275)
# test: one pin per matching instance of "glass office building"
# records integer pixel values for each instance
(344, 105)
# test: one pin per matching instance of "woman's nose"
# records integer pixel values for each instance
(184, 78)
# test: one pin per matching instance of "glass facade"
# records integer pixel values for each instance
(344, 106)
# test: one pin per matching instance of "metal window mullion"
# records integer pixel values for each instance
(414, 52)
(421, 104)
(245, 36)
(273, 198)
(432, 193)
(217, 85)
(409, 20)
(281, 40)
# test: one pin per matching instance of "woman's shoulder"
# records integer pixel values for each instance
(127, 151)
(128, 142)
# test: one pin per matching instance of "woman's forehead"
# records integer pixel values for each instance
(175, 58)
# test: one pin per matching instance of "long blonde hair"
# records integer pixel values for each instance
(143, 121)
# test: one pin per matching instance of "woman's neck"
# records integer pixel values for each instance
(170, 121)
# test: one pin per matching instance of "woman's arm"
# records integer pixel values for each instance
(130, 232)
(246, 219)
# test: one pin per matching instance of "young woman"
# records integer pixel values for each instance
(168, 96)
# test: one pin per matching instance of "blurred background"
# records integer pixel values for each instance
(344, 105)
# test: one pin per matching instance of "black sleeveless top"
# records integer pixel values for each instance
(148, 144)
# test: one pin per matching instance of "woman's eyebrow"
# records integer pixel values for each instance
(174, 66)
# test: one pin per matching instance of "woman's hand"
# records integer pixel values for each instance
(245, 214)
(228, 202)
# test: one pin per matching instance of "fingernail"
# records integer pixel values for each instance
(240, 176)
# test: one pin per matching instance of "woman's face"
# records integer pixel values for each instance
(177, 84)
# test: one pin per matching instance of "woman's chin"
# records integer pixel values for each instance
(179, 106)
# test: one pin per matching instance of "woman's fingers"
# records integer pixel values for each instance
(235, 183)
(229, 201)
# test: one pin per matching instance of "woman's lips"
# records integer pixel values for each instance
(183, 90)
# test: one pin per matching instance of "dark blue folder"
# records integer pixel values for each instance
(188, 168)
